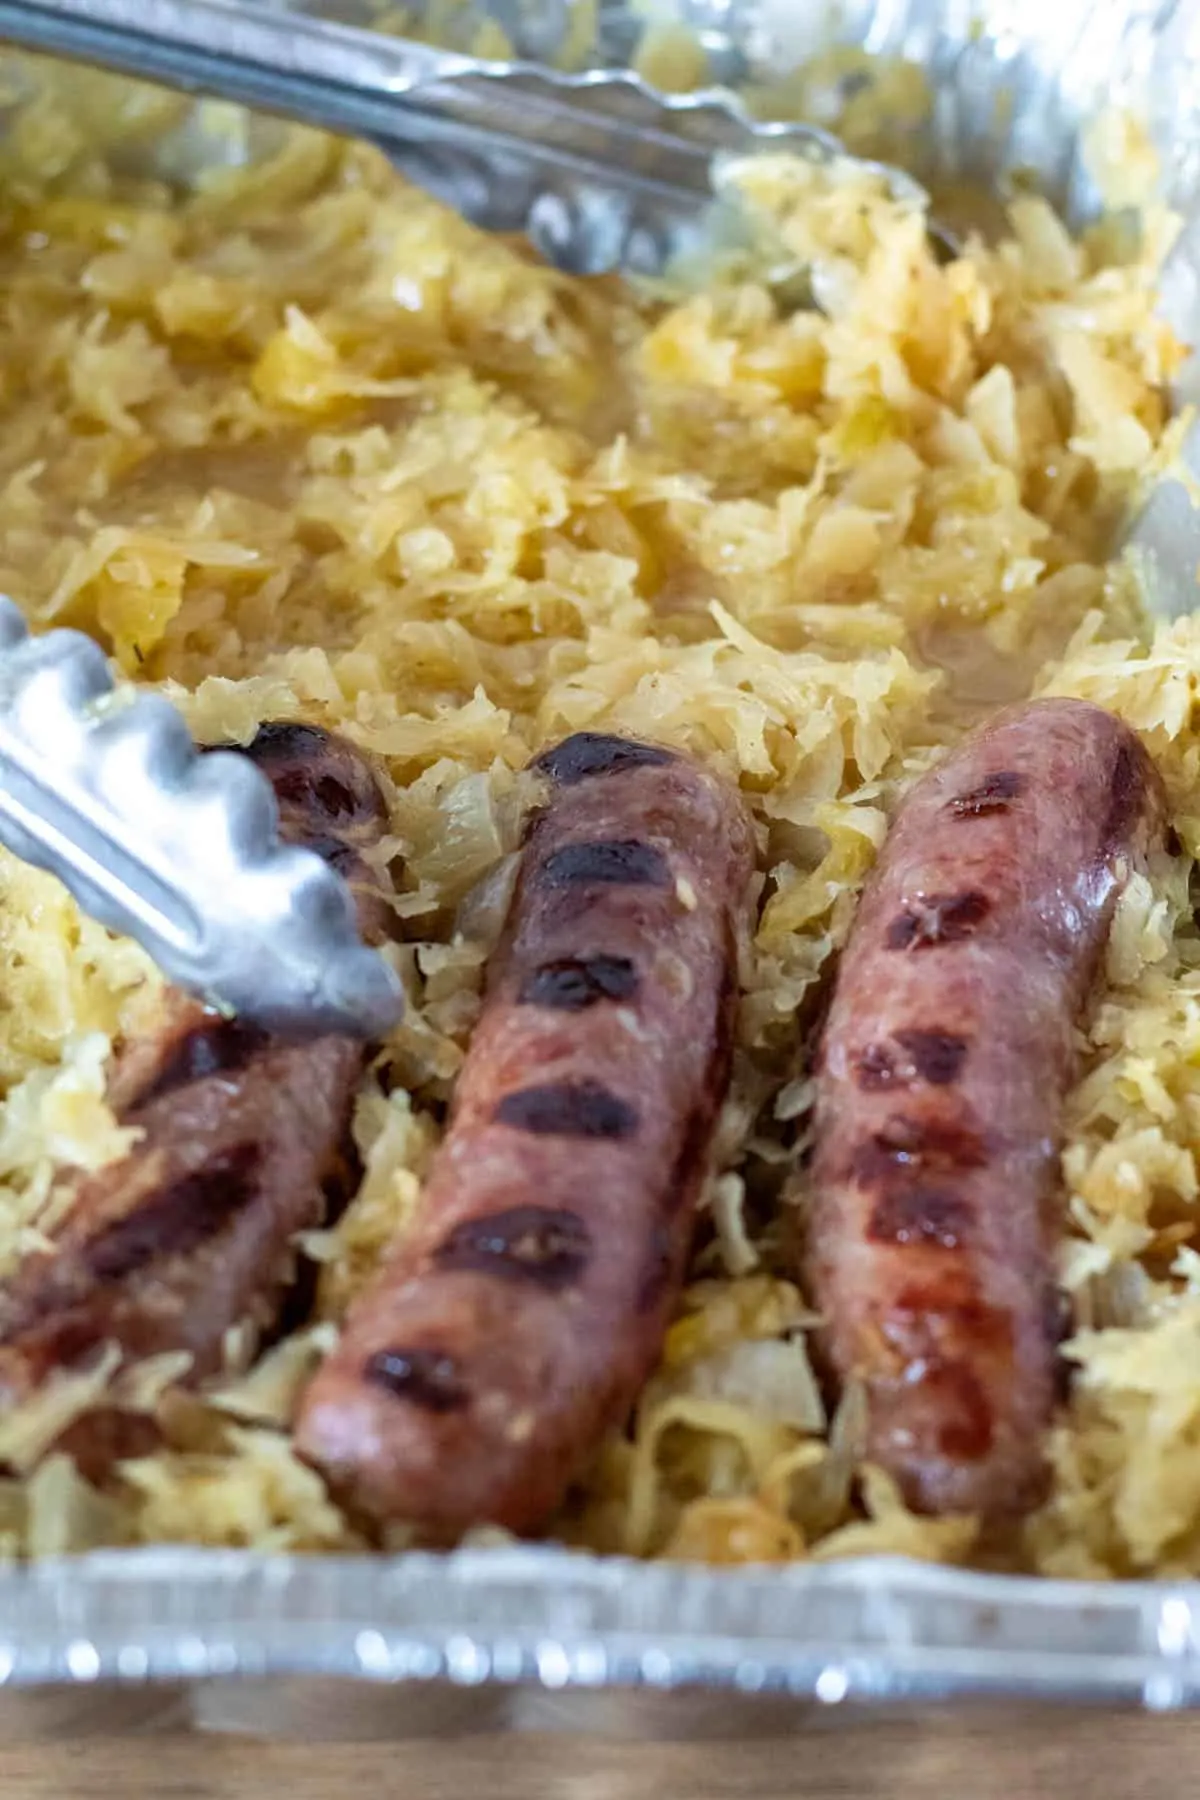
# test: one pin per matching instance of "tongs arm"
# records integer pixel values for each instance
(599, 170)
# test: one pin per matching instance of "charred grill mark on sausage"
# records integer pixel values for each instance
(907, 1161)
(279, 740)
(332, 796)
(993, 795)
(172, 1221)
(217, 1046)
(932, 1320)
(919, 1214)
(591, 753)
(935, 1057)
(875, 1069)
(428, 1378)
(922, 1146)
(329, 802)
(968, 1427)
(583, 1109)
(178, 1218)
(575, 982)
(548, 1246)
(69, 1336)
(623, 862)
(938, 919)
(318, 779)
(946, 1306)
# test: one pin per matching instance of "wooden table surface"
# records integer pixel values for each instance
(993, 1752)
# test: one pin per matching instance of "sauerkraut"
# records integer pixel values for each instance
(292, 441)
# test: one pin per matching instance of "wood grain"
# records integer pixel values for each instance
(978, 1753)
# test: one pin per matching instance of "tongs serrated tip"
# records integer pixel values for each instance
(104, 787)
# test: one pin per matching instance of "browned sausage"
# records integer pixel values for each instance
(941, 1076)
(243, 1135)
(523, 1312)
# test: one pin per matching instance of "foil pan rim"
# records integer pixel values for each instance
(875, 1628)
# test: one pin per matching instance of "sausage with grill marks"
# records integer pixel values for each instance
(525, 1309)
(243, 1142)
(942, 1071)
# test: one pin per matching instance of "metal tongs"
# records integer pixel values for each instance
(104, 787)
(599, 170)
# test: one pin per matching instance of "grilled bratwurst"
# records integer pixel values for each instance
(526, 1308)
(243, 1139)
(944, 1063)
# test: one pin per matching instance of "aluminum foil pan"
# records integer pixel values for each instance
(873, 1629)
(1013, 83)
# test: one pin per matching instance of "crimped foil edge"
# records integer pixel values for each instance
(874, 1628)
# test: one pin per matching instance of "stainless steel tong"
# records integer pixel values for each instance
(104, 787)
(598, 170)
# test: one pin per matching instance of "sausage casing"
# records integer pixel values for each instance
(945, 1059)
(522, 1313)
(243, 1138)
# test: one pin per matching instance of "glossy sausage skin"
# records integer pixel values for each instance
(523, 1312)
(243, 1141)
(941, 1076)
